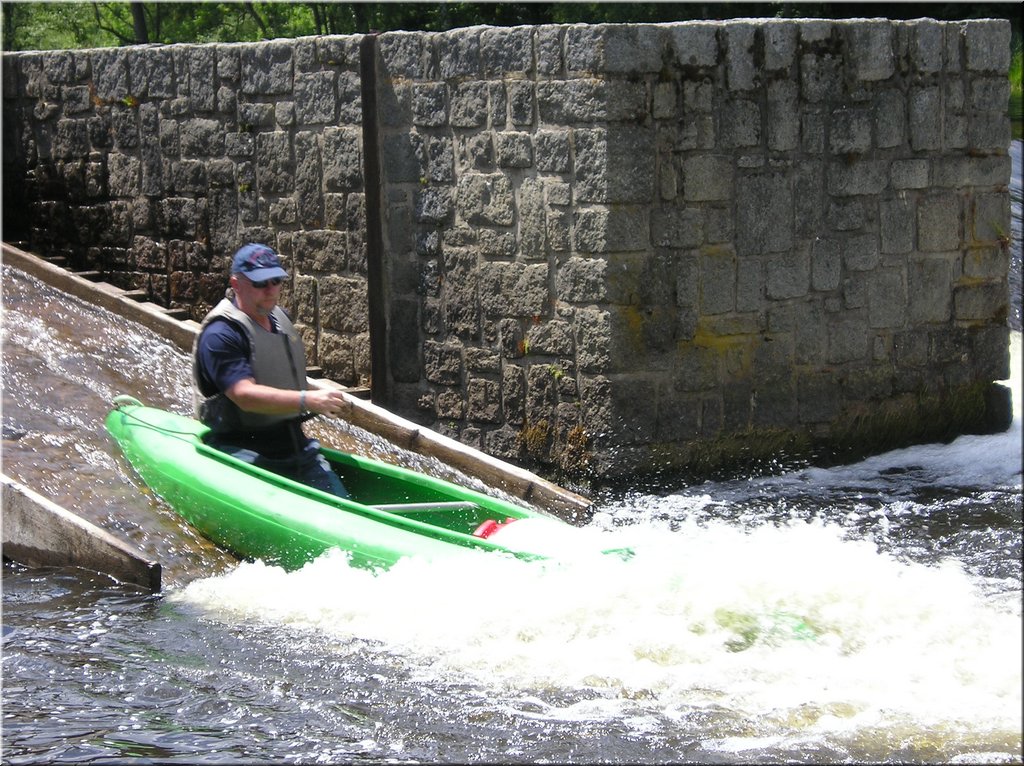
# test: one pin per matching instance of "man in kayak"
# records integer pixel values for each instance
(249, 377)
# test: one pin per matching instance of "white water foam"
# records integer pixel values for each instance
(791, 624)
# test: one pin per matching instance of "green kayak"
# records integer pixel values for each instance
(393, 512)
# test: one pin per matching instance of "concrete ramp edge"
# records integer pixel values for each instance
(39, 533)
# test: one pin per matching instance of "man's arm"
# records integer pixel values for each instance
(267, 400)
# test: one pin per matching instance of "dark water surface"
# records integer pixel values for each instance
(906, 567)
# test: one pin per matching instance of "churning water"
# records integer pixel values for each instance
(870, 612)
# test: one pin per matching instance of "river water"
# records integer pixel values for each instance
(906, 567)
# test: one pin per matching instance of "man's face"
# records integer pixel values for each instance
(257, 299)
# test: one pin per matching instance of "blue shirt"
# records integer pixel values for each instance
(223, 355)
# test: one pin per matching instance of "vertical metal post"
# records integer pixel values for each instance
(373, 188)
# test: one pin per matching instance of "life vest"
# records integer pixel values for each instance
(278, 359)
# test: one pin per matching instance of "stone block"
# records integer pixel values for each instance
(929, 289)
(695, 44)
(513, 149)
(939, 222)
(532, 222)
(434, 206)
(404, 155)
(549, 50)
(980, 302)
(848, 340)
(989, 94)
(469, 104)
(890, 119)
(740, 68)
(987, 45)
(110, 73)
(322, 251)
(819, 397)
(440, 159)
(553, 338)
(315, 98)
(986, 131)
(506, 51)
(483, 400)
(708, 177)
(308, 180)
(958, 171)
(717, 283)
(189, 177)
(521, 103)
(266, 68)
(925, 130)
(780, 41)
(896, 224)
(402, 55)
(633, 418)
(821, 77)
(764, 213)
(861, 177)
(349, 99)
(750, 285)
(989, 263)
(458, 53)
(513, 290)
(497, 96)
(850, 131)
(151, 72)
(741, 124)
(581, 280)
(870, 49)
(200, 137)
(989, 219)
(846, 215)
(275, 167)
(123, 175)
(239, 144)
(887, 299)
(606, 230)
(429, 104)
(485, 199)
(676, 227)
(482, 360)
(201, 64)
(614, 165)
(783, 116)
(593, 342)
(787, 275)
(551, 152)
(927, 47)
(909, 174)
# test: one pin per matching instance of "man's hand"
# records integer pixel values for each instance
(324, 401)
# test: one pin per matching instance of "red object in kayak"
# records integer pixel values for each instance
(490, 526)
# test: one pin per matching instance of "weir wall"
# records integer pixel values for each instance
(607, 250)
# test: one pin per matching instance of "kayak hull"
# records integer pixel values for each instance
(393, 513)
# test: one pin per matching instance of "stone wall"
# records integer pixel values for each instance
(609, 249)
(152, 164)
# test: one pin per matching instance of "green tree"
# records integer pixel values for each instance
(58, 25)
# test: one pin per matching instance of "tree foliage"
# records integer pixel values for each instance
(63, 25)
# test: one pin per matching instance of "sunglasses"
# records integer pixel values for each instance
(267, 282)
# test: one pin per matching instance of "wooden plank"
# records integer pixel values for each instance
(38, 533)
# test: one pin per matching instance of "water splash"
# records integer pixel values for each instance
(792, 625)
